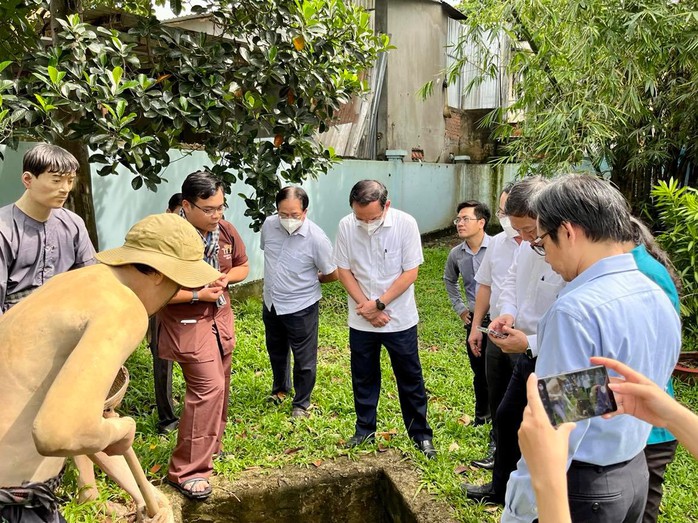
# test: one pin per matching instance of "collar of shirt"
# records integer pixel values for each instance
(604, 266)
(485, 243)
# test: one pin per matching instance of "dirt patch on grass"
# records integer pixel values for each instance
(382, 488)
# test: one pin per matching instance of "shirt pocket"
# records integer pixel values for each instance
(392, 263)
(298, 263)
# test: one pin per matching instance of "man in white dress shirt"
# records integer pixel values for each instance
(530, 288)
(378, 253)
(297, 259)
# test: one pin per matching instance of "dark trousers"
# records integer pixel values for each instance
(297, 332)
(366, 379)
(478, 365)
(509, 417)
(658, 456)
(162, 378)
(499, 367)
(615, 493)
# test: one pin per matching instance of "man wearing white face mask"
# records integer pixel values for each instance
(378, 253)
(297, 259)
(490, 277)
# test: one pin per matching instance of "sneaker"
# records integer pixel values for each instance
(358, 439)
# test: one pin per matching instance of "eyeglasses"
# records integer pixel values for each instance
(465, 219)
(290, 216)
(536, 244)
(210, 211)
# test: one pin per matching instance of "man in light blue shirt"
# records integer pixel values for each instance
(297, 258)
(607, 309)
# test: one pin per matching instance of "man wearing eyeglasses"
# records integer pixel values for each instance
(610, 309)
(297, 259)
(196, 330)
(463, 261)
(530, 288)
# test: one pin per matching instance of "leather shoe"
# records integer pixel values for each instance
(482, 493)
(486, 463)
(168, 427)
(477, 422)
(426, 447)
(357, 439)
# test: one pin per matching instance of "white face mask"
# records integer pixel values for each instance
(372, 226)
(290, 224)
(505, 222)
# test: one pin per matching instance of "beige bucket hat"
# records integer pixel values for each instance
(168, 243)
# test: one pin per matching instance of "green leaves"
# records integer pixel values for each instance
(678, 213)
(598, 82)
(283, 69)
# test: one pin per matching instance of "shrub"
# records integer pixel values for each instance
(678, 213)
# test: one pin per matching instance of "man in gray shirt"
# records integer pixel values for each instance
(464, 260)
(38, 238)
(297, 259)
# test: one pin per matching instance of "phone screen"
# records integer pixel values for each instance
(576, 395)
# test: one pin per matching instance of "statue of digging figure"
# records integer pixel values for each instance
(61, 349)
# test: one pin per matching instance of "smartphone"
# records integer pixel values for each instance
(492, 332)
(576, 395)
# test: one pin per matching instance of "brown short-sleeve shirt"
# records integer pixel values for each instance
(187, 330)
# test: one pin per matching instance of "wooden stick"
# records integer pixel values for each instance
(151, 504)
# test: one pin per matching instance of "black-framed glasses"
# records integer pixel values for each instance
(210, 211)
(537, 246)
(465, 219)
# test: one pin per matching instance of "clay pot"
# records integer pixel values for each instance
(686, 368)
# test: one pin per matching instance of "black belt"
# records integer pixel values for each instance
(601, 468)
(33, 494)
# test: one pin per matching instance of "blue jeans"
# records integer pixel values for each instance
(366, 379)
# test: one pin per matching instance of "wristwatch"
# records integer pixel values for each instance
(529, 353)
(194, 296)
(379, 304)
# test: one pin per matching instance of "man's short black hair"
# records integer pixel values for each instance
(521, 195)
(201, 185)
(290, 192)
(174, 201)
(47, 157)
(482, 212)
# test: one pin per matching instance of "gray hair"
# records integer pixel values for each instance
(588, 202)
(521, 195)
(368, 191)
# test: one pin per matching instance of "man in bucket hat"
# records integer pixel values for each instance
(61, 349)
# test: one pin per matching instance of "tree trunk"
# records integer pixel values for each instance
(80, 199)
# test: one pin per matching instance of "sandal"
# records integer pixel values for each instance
(187, 492)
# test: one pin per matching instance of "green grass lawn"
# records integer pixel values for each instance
(262, 435)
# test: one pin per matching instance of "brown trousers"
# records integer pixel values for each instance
(203, 418)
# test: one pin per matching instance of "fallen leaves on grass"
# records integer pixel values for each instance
(464, 420)
(292, 450)
(453, 447)
(460, 469)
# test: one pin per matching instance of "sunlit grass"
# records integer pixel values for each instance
(263, 436)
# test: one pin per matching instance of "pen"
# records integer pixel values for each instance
(185, 322)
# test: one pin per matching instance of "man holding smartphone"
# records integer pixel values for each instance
(583, 224)
(529, 289)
